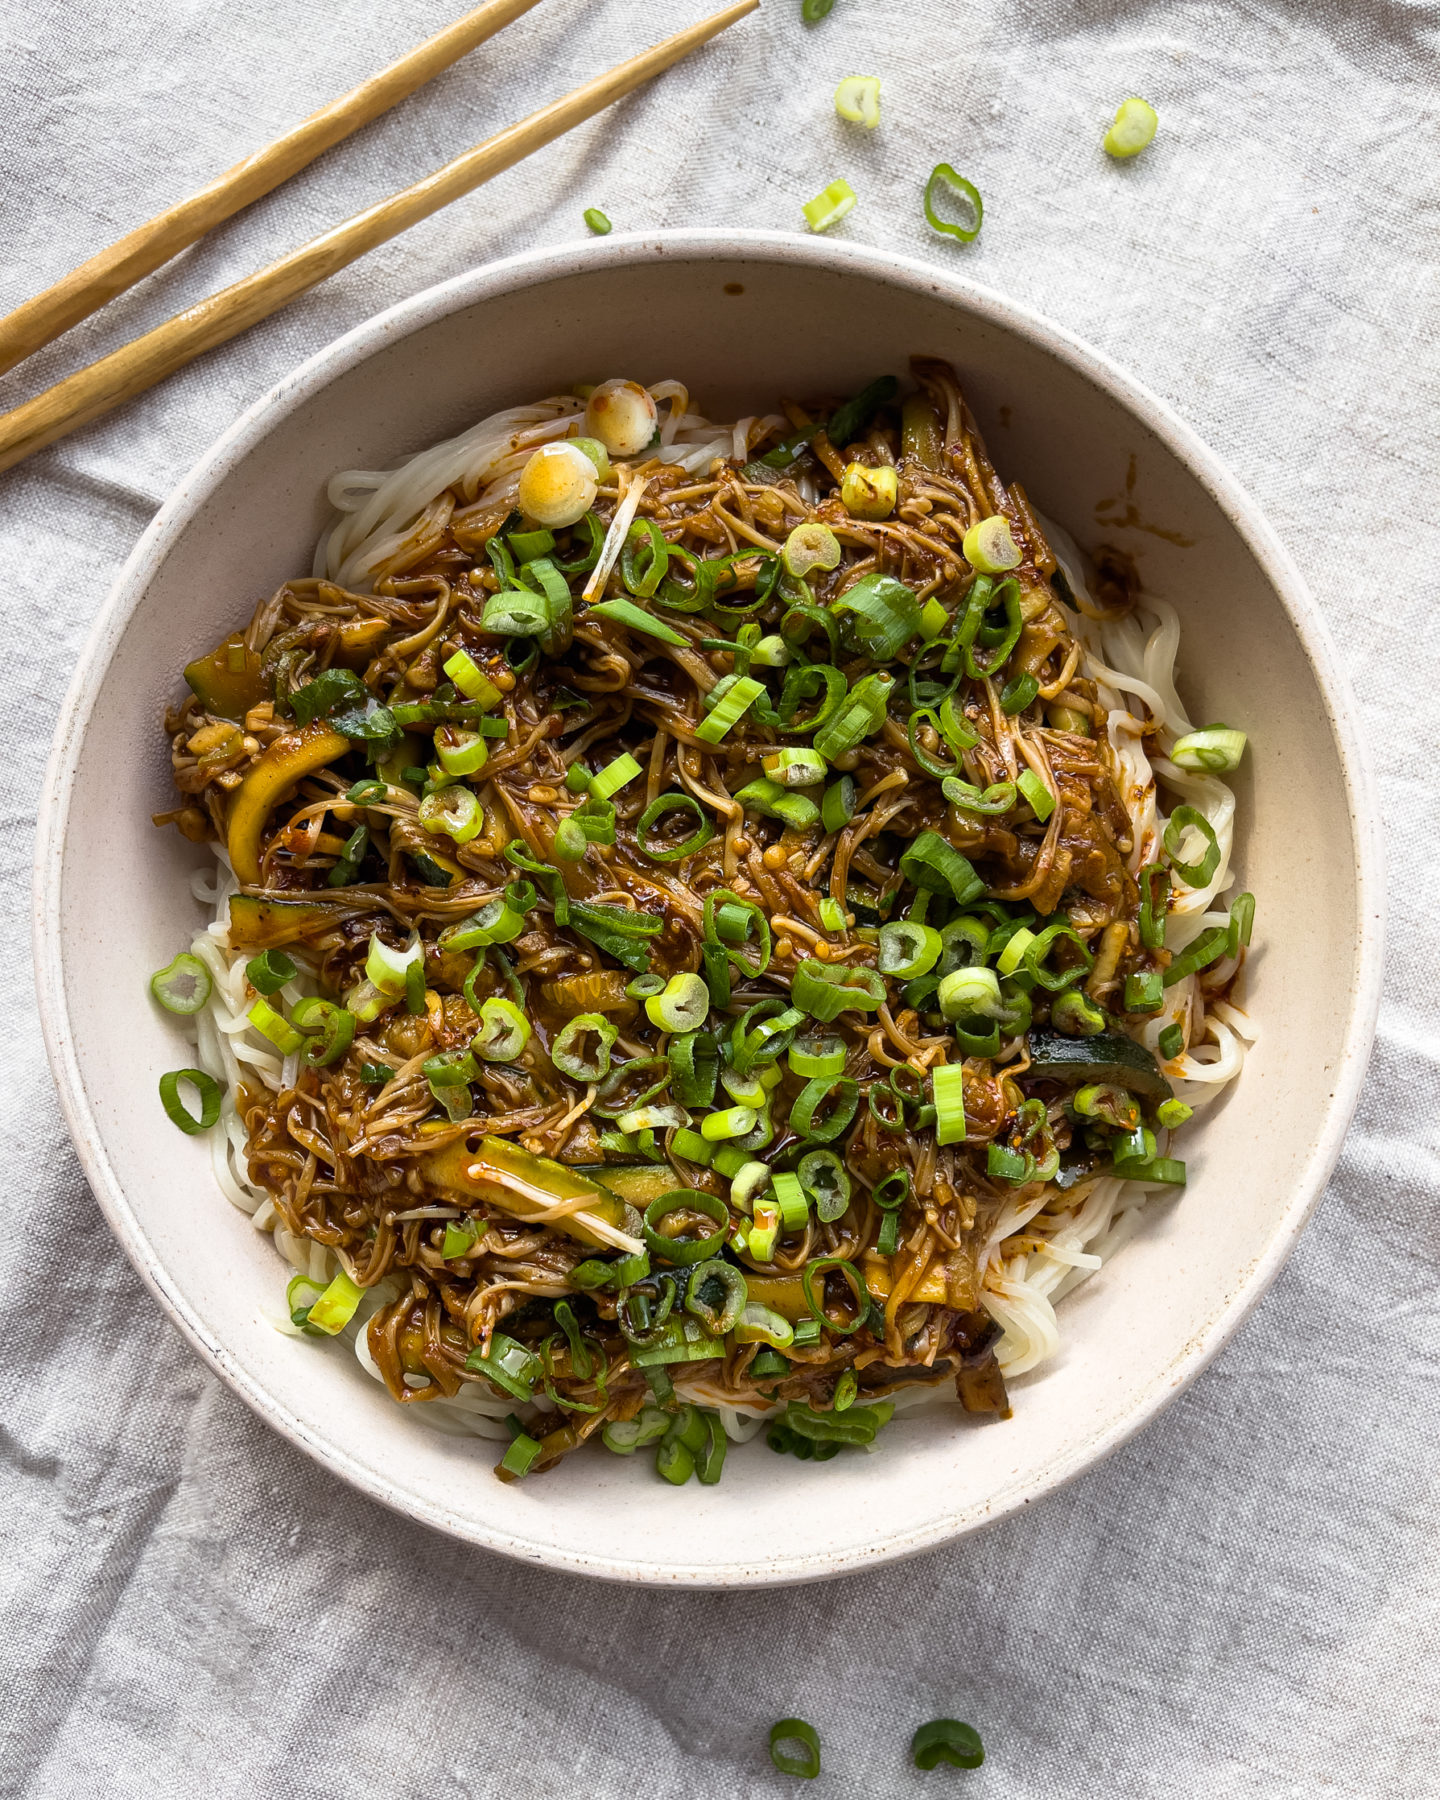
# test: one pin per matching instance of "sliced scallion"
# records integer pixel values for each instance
(207, 1092)
(569, 1051)
(184, 985)
(834, 201)
(1135, 124)
(944, 180)
(947, 1084)
(1216, 750)
(504, 1031)
(988, 546)
(682, 1006)
(597, 221)
(810, 546)
(948, 1741)
(729, 709)
(858, 99)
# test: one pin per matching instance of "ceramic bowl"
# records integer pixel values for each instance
(741, 319)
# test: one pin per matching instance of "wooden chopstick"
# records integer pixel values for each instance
(89, 287)
(106, 384)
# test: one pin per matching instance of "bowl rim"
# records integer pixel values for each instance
(532, 268)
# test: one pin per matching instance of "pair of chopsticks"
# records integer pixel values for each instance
(106, 384)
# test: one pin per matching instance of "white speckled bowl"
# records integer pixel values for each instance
(741, 318)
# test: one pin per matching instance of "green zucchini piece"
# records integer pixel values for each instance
(257, 924)
(1109, 1057)
(639, 1183)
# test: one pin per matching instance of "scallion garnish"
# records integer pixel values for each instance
(948, 1741)
(1216, 750)
(858, 99)
(207, 1092)
(804, 1758)
(834, 202)
(597, 221)
(184, 986)
(1135, 125)
(944, 180)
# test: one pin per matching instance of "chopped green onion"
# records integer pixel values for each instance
(693, 1058)
(811, 1056)
(710, 1462)
(268, 973)
(988, 546)
(1077, 1016)
(794, 768)
(275, 1026)
(460, 1236)
(840, 1091)
(335, 1308)
(832, 914)
(759, 1324)
(1144, 992)
(825, 990)
(571, 840)
(868, 493)
(524, 1452)
(773, 801)
(859, 716)
(943, 177)
(881, 613)
(947, 1741)
(207, 1091)
(832, 203)
(449, 1075)
(858, 99)
(1041, 800)
(508, 1364)
(1171, 1042)
(626, 1436)
(329, 1030)
(597, 221)
(733, 705)
(804, 1761)
(1216, 750)
(988, 802)
(974, 989)
(715, 1295)
(682, 1251)
(567, 1050)
(1242, 920)
(812, 11)
(824, 1177)
(1039, 948)
(455, 811)
(367, 793)
(504, 1031)
(1017, 693)
(947, 1084)
(1172, 1113)
(651, 817)
(499, 921)
(853, 1280)
(837, 809)
(626, 612)
(184, 985)
(791, 1199)
(730, 1122)
(810, 546)
(460, 752)
(387, 967)
(931, 863)
(908, 949)
(472, 680)
(1136, 122)
(764, 1230)
(1209, 947)
(682, 1006)
(1163, 1169)
(614, 776)
(1195, 875)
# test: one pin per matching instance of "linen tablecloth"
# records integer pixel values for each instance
(1242, 1602)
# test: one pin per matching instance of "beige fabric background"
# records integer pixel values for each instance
(1244, 1601)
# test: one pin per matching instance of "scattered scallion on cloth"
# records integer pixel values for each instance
(832, 203)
